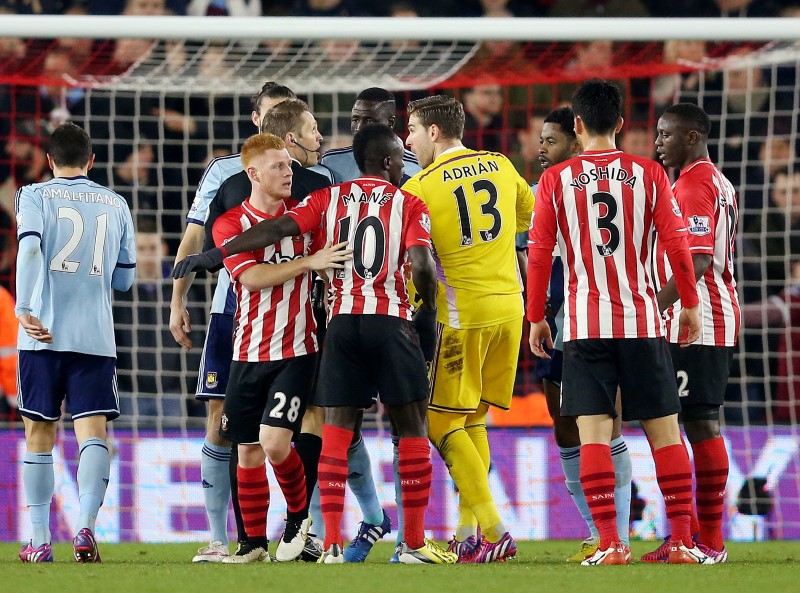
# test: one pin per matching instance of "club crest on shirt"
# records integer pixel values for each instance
(699, 225)
(211, 379)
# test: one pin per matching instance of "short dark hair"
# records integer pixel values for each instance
(692, 115)
(284, 118)
(598, 103)
(375, 94)
(564, 117)
(372, 144)
(271, 90)
(70, 146)
(442, 110)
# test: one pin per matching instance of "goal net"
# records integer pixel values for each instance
(160, 102)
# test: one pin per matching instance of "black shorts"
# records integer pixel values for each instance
(701, 373)
(640, 367)
(269, 393)
(369, 354)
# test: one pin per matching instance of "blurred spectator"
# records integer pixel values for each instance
(781, 313)
(26, 148)
(8, 250)
(8, 354)
(110, 7)
(774, 153)
(128, 51)
(12, 49)
(483, 125)
(224, 8)
(329, 8)
(529, 140)
(595, 8)
(775, 235)
(35, 6)
(638, 140)
(669, 89)
(134, 177)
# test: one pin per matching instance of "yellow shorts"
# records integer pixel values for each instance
(475, 365)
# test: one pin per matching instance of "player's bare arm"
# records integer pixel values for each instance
(668, 295)
(689, 326)
(540, 332)
(423, 273)
(34, 328)
(268, 275)
(266, 232)
(179, 322)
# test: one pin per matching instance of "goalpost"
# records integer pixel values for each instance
(161, 95)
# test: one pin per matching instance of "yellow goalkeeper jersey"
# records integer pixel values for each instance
(477, 202)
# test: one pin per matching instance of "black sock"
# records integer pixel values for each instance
(237, 512)
(309, 447)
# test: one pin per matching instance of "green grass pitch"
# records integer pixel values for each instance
(539, 567)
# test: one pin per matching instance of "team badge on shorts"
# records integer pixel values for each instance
(224, 422)
(211, 379)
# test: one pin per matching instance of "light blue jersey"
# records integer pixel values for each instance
(217, 171)
(86, 234)
(342, 164)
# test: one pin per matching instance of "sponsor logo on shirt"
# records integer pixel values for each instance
(699, 225)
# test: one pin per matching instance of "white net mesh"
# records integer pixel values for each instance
(157, 123)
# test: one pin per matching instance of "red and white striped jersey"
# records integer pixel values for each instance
(274, 323)
(603, 207)
(380, 222)
(708, 202)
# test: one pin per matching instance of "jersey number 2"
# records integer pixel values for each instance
(61, 261)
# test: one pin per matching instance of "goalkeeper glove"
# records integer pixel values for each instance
(208, 260)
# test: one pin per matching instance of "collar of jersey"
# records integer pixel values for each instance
(452, 150)
(699, 161)
(258, 213)
(74, 177)
(601, 152)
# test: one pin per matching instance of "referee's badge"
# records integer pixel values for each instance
(211, 379)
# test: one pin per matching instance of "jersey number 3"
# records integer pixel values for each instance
(488, 208)
(61, 261)
(605, 233)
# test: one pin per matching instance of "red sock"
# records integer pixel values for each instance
(292, 479)
(597, 481)
(711, 471)
(674, 475)
(253, 499)
(415, 484)
(331, 478)
(694, 524)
